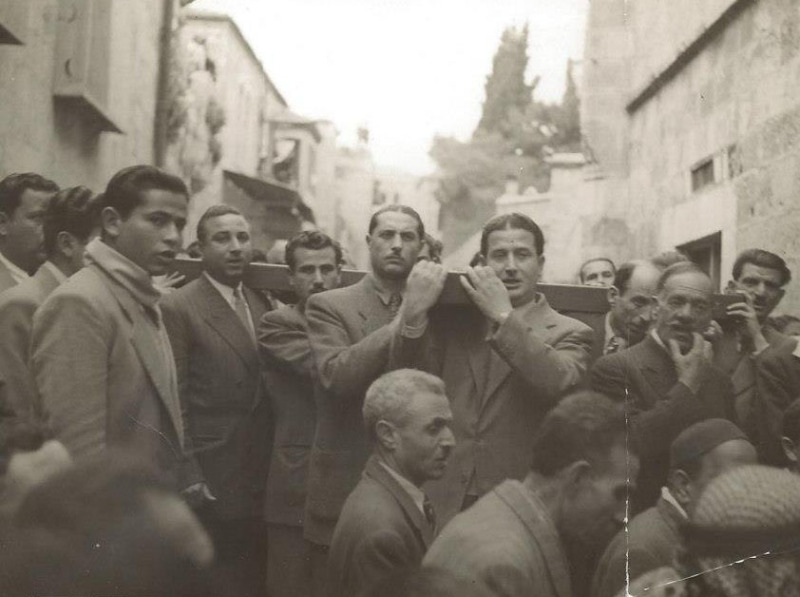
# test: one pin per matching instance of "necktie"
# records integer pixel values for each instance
(240, 306)
(395, 301)
(430, 514)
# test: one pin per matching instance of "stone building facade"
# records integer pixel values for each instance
(691, 111)
(78, 91)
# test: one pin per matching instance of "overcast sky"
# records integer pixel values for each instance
(406, 69)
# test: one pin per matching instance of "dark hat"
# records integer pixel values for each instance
(695, 441)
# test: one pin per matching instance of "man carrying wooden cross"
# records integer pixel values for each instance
(504, 365)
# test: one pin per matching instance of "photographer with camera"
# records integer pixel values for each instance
(758, 359)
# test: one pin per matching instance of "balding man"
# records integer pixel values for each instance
(387, 522)
(631, 305)
(668, 381)
(697, 456)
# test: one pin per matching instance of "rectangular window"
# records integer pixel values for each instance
(703, 175)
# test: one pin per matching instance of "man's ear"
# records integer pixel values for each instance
(679, 485)
(4, 220)
(66, 244)
(576, 474)
(612, 296)
(781, 294)
(368, 239)
(110, 221)
(386, 435)
(789, 450)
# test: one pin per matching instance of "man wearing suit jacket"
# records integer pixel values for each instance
(314, 261)
(630, 300)
(100, 354)
(23, 200)
(387, 523)
(211, 325)
(652, 538)
(667, 381)
(353, 331)
(518, 539)
(757, 357)
(69, 222)
(505, 364)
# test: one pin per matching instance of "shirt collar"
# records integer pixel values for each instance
(124, 272)
(414, 492)
(666, 494)
(224, 290)
(384, 294)
(17, 273)
(57, 273)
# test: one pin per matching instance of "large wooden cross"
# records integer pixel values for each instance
(585, 303)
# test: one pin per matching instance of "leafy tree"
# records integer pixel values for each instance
(513, 137)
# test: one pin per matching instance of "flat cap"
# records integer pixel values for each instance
(695, 441)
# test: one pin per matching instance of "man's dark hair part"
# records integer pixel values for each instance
(313, 240)
(403, 209)
(512, 221)
(583, 426)
(215, 211)
(125, 189)
(13, 186)
(762, 258)
(73, 210)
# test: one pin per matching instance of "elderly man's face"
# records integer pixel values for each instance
(684, 307)
(423, 437)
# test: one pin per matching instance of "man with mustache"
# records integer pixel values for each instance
(667, 381)
(211, 323)
(755, 355)
(354, 333)
(314, 260)
(23, 200)
(99, 350)
(505, 362)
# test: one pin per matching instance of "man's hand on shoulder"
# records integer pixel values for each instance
(487, 291)
(423, 288)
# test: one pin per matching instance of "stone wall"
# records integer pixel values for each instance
(55, 140)
(737, 102)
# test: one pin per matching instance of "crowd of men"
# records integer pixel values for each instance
(368, 439)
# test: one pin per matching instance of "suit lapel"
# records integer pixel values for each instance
(537, 316)
(533, 515)
(146, 346)
(145, 343)
(46, 281)
(651, 357)
(375, 470)
(221, 317)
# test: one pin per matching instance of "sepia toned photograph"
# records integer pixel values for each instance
(399, 298)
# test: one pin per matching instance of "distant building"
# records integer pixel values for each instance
(691, 112)
(237, 141)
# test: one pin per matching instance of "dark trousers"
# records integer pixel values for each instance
(241, 554)
(289, 562)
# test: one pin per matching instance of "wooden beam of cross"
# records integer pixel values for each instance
(585, 303)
